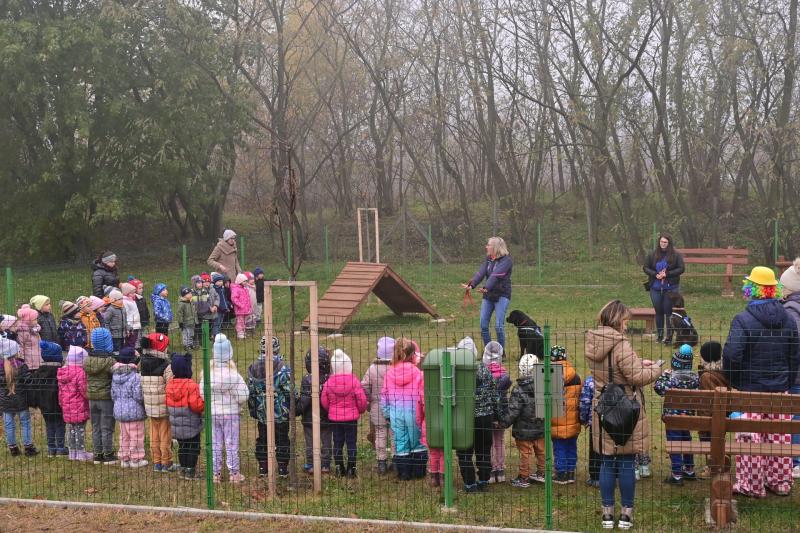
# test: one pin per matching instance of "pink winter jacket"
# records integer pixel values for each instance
(72, 394)
(28, 339)
(241, 300)
(343, 397)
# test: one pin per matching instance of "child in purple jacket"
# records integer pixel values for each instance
(128, 397)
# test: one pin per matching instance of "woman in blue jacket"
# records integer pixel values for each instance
(496, 269)
(762, 354)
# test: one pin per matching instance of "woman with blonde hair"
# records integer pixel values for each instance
(496, 269)
(612, 359)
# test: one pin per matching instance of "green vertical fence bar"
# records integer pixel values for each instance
(207, 418)
(548, 443)
(184, 265)
(9, 291)
(447, 420)
(241, 251)
(430, 256)
(327, 260)
(539, 252)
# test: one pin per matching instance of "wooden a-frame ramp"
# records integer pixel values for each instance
(353, 285)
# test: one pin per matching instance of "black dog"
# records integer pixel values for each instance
(529, 333)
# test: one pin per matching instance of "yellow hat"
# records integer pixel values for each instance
(762, 276)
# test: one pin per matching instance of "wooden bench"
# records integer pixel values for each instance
(711, 416)
(782, 264)
(645, 314)
(716, 256)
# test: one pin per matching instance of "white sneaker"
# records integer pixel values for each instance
(125, 464)
(138, 464)
(645, 471)
(637, 472)
(796, 472)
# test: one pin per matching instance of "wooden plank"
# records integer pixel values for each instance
(687, 422)
(688, 399)
(716, 260)
(734, 448)
(763, 402)
(764, 426)
(342, 297)
(713, 275)
(713, 251)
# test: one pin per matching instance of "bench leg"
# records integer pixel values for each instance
(722, 511)
(649, 325)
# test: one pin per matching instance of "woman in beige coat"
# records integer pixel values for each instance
(224, 257)
(609, 340)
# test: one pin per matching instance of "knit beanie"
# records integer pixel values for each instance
(8, 348)
(711, 352)
(223, 351)
(135, 282)
(385, 348)
(26, 312)
(82, 302)
(790, 279)
(67, 308)
(196, 279)
(126, 356)
(6, 321)
(126, 289)
(158, 342)
(682, 359)
(558, 353)
(205, 276)
(526, 365)
(493, 353)
(101, 340)
(115, 295)
(95, 303)
(258, 271)
(185, 290)
(181, 365)
(39, 301)
(340, 363)
(216, 276)
(240, 278)
(108, 257)
(228, 234)
(76, 355)
(107, 290)
(51, 352)
(468, 344)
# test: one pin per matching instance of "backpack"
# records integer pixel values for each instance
(72, 333)
(618, 413)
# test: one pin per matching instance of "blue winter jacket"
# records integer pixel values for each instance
(585, 401)
(126, 391)
(161, 306)
(224, 305)
(498, 278)
(762, 353)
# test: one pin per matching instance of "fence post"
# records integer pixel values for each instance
(9, 291)
(447, 420)
(430, 256)
(548, 443)
(775, 244)
(539, 252)
(207, 418)
(655, 236)
(184, 265)
(241, 251)
(289, 253)
(327, 261)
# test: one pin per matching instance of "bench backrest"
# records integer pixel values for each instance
(715, 256)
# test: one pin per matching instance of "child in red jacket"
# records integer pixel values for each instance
(185, 406)
(344, 399)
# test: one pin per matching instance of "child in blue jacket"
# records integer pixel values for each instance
(585, 416)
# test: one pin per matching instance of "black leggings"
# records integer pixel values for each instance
(482, 448)
(281, 443)
(345, 433)
(189, 451)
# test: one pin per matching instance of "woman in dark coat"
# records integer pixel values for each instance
(104, 273)
(762, 354)
(496, 269)
(664, 267)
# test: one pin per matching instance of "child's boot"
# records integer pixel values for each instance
(340, 470)
(73, 456)
(382, 467)
(30, 450)
(83, 455)
(420, 464)
(13, 450)
(501, 476)
(262, 468)
(351, 471)
(434, 479)
(625, 518)
(608, 518)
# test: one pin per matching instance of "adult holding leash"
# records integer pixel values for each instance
(663, 267)
(496, 269)
(224, 257)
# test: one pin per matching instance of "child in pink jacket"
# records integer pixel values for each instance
(344, 399)
(74, 401)
(240, 296)
(28, 337)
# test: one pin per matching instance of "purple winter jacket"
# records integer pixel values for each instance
(126, 391)
(498, 278)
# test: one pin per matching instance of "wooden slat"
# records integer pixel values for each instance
(763, 426)
(712, 275)
(764, 402)
(714, 251)
(734, 448)
(716, 260)
(688, 399)
(343, 297)
(687, 422)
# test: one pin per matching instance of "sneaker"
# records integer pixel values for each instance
(189, 474)
(51, 454)
(501, 476)
(570, 477)
(594, 483)
(672, 480)
(283, 471)
(562, 478)
(434, 480)
(351, 472)
(520, 482)
(110, 458)
(382, 467)
(138, 464)
(98, 459)
(157, 468)
(493, 477)
(340, 471)
(62, 451)
(796, 472)
(780, 491)
(645, 471)
(469, 489)
(172, 467)
(689, 475)
(236, 478)
(637, 472)
(82, 455)
(625, 522)
(30, 450)
(608, 521)
(538, 477)
(13, 450)
(124, 464)
(483, 486)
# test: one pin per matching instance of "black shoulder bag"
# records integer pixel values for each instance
(618, 413)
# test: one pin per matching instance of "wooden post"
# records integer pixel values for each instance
(272, 464)
(727, 287)
(377, 238)
(360, 243)
(721, 487)
(313, 329)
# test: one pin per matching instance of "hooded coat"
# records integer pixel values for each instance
(343, 397)
(762, 352)
(103, 276)
(126, 391)
(155, 373)
(28, 339)
(48, 330)
(257, 384)
(98, 371)
(304, 407)
(373, 386)
(403, 387)
(569, 425)
(629, 371)
(17, 402)
(162, 310)
(45, 387)
(241, 299)
(228, 391)
(224, 258)
(185, 406)
(73, 394)
(521, 412)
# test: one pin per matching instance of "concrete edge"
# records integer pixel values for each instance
(244, 515)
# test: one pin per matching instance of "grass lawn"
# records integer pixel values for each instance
(567, 299)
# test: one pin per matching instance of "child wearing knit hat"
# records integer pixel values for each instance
(114, 318)
(373, 384)
(128, 397)
(155, 372)
(46, 388)
(74, 401)
(71, 331)
(185, 405)
(344, 398)
(528, 430)
(240, 296)
(493, 359)
(186, 315)
(141, 302)
(14, 378)
(252, 318)
(47, 323)
(162, 309)
(98, 367)
(228, 393)
(680, 377)
(133, 320)
(89, 318)
(28, 328)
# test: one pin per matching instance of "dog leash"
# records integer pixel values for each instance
(467, 303)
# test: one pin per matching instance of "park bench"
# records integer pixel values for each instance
(646, 315)
(716, 256)
(712, 410)
(782, 264)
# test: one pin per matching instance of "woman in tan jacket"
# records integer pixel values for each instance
(633, 373)
(224, 257)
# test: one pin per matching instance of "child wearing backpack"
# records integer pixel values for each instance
(46, 389)
(528, 431)
(679, 323)
(680, 377)
(256, 404)
(128, 398)
(14, 375)
(185, 406)
(74, 401)
(565, 429)
(493, 359)
(304, 410)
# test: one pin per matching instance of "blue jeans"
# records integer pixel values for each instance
(795, 389)
(216, 325)
(616, 467)
(499, 309)
(565, 453)
(10, 425)
(663, 308)
(56, 431)
(680, 462)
